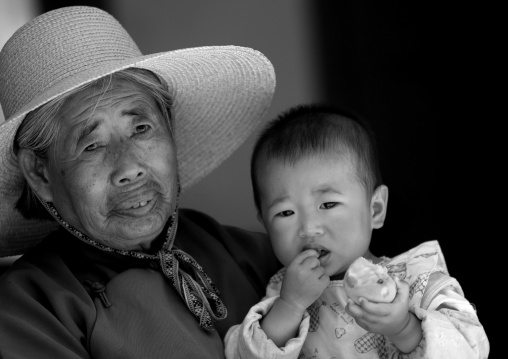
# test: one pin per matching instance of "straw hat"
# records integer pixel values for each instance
(220, 95)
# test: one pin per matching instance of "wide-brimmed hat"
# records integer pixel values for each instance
(220, 94)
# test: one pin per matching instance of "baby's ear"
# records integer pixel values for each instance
(379, 206)
(35, 171)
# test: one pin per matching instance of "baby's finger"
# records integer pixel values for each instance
(311, 262)
(320, 274)
(401, 284)
(324, 278)
(308, 253)
(353, 309)
(378, 309)
(402, 289)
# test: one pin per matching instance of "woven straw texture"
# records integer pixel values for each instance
(220, 94)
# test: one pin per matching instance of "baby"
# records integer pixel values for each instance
(319, 194)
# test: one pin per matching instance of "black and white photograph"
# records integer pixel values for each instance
(250, 179)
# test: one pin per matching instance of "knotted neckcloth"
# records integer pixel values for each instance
(196, 288)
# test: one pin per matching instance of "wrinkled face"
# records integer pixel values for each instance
(113, 171)
(315, 203)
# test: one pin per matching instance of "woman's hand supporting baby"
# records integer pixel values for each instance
(303, 283)
(391, 319)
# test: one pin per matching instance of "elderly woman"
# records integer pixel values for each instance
(97, 144)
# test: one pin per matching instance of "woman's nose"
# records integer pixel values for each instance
(310, 226)
(128, 168)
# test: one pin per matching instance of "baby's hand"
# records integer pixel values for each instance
(383, 318)
(304, 280)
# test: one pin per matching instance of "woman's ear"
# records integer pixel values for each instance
(379, 206)
(35, 171)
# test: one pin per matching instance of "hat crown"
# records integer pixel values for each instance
(55, 46)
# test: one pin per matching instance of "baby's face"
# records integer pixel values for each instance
(317, 204)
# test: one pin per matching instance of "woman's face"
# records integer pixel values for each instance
(113, 171)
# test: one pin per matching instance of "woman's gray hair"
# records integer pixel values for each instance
(39, 130)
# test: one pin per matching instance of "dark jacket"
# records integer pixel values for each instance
(67, 299)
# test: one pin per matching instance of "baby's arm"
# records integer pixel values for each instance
(303, 283)
(450, 322)
(393, 320)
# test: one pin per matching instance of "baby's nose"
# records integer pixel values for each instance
(311, 232)
(310, 227)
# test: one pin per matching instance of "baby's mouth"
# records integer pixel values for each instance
(322, 253)
(320, 250)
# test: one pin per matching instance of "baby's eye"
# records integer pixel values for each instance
(91, 147)
(328, 205)
(284, 214)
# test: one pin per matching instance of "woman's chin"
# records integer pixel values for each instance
(132, 233)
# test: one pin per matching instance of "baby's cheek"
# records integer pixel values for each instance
(283, 251)
(281, 238)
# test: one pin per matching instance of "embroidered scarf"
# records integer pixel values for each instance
(187, 276)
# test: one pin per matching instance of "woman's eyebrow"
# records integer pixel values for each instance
(87, 129)
(136, 111)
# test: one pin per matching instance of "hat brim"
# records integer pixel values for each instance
(220, 94)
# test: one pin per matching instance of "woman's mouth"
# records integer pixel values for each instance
(137, 207)
(140, 204)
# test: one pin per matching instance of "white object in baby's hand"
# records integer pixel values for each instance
(371, 281)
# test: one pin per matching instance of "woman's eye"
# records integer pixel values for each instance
(328, 205)
(91, 147)
(284, 214)
(142, 129)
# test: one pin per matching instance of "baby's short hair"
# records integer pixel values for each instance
(318, 129)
